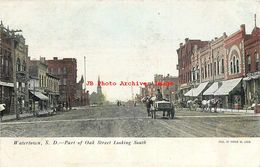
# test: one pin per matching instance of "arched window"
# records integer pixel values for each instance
(237, 66)
(249, 63)
(256, 61)
(18, 63)
(231, 67)
(234, 64)
(193, 74)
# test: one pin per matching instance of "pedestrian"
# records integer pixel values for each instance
(159, 96)
(149, 103)
(2, 108)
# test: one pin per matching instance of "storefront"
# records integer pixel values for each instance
(6, 96)
(39, 101)
(232, 93)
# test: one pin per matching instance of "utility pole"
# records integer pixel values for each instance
(13, 45)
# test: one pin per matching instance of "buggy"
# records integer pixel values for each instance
(164, 106)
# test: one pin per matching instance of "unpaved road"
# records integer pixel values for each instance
(129, 121)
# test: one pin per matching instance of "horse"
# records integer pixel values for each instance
(193, 103)
(207, 105)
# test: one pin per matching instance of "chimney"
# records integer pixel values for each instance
(181, 44)
(242, 27)
(55, 58)
(224, 34)
(216, 38)
(186, 40)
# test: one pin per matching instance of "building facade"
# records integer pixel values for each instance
(22, 75)
(38, 85)
(66, 70)
(185, 53)
(6, 69)
(252, 68)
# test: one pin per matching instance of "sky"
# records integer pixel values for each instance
(123, 40)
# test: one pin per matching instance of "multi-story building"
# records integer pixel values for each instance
(66, 70)
(6, 69)
(184, 66)
(230, 67)
(232, 89)
(52, 90)
(22, 74)
(252, 68)
(38, 83)
(217, 66)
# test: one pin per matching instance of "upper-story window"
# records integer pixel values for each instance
(198, 73)
(215, 68)
(231, 67)
(222, 66)
(202, 73)
(59, 70)
(256, 61)
(64, 70)
(234, 64)
(218, 67)
(24, 66)
(193, 74)
(237, 66)
(208, 70)
(205, 70)
(18, 64)
(249, 63)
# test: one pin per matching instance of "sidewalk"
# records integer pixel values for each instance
(40, 113)
(25, 115)
(235, 111)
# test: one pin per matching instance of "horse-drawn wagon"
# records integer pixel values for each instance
(164, 106)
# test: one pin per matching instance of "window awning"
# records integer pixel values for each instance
(199, 89)
(211, 90)
(196, 91)
(40, 95)
(227, 87)
(190, 92)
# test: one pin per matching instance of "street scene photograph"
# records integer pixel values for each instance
(142, 69)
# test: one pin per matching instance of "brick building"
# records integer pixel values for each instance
(252, 68)
(185, 53)
(6, 69)
(66, 70)
(38, 84)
